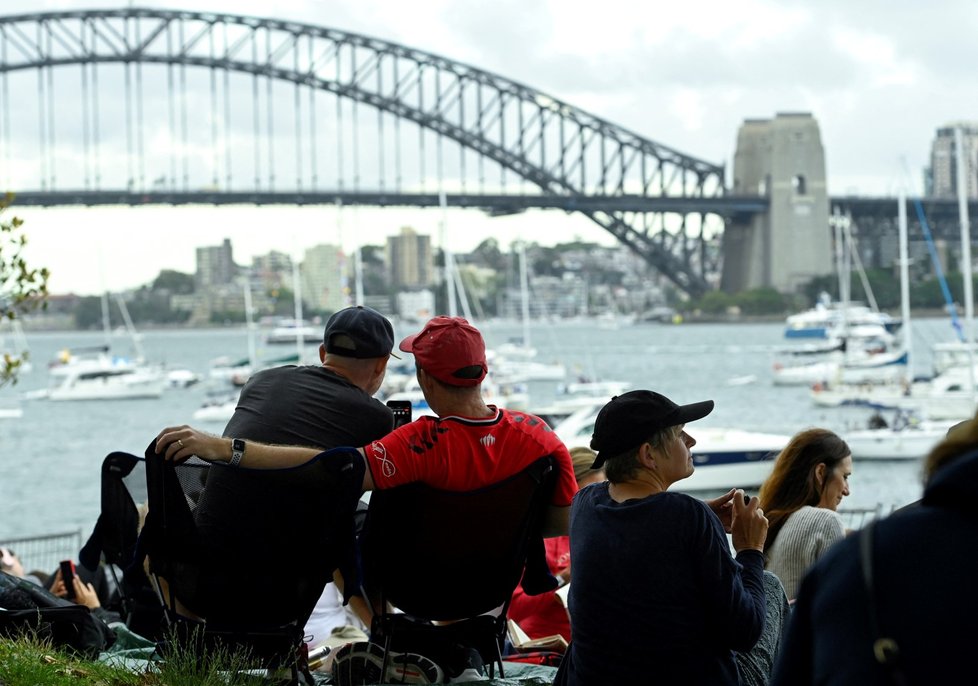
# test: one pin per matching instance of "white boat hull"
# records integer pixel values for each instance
(910, 443)
(875, 369)
(722, 458)
(216, 412)
(127, 385)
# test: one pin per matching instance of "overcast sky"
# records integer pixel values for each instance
(879, 77)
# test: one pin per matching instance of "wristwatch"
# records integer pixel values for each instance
(237, 451)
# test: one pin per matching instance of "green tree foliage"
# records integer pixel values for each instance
(761, 301)
(174, 282)
(22, 288)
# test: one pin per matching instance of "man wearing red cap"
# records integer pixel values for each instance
(470, 444)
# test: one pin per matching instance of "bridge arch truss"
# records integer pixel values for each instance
(170, 102)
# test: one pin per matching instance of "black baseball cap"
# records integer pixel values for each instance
(369, 332)
(630, 418)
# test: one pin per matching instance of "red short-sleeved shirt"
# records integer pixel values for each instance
(462, 454)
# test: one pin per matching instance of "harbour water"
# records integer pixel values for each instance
(50, 457)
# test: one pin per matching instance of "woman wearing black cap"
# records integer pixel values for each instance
(657, 595)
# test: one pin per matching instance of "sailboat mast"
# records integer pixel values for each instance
(250, 324)
(106, 326)
(969, 303)
(297, 304)
(905, 284)
(447, 254)
(358, 272)
(525, 293)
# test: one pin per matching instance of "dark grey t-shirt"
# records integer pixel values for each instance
(309, 406)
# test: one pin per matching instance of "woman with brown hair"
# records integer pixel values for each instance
(800, 498)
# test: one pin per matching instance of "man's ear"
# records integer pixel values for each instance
(322, 352)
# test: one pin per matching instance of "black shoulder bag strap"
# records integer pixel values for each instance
(885, 649)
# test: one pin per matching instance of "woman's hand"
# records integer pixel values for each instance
(85, 594)
(749, 528)
(180, 443)
(723, 507)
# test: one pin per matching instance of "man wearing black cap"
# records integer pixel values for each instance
(249, 517)
(657, 596)
(325, 405)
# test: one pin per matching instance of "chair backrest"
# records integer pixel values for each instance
(170, 536)
(115, 541)
(123, 484)
(444, 555)
(252, 546)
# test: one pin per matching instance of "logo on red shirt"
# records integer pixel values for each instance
(380, 454)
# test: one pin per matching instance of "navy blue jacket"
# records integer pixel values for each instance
(926, 570)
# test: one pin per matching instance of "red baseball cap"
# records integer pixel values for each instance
(451, 350)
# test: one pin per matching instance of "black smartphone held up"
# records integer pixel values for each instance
(68, 577)
(401, 410)
(746, 499)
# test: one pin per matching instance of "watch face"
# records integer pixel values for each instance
(237, 445)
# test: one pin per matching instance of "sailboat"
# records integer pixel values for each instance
(96, 374)
(856, 354)
(514, 361)
(907, 436)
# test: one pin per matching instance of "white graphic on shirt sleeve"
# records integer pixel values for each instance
(380, 454)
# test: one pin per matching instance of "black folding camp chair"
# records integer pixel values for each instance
(432, 557)
(112, 545)
(308, 531)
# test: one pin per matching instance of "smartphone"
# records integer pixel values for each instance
(401, 410)
(746, 499)
(68, 577)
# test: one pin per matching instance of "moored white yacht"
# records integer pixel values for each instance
(290, 331)
(905, 438)
(724, 458)
(107, 384)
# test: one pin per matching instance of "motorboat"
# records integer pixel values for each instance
(217, 409)
(87, 359)
(290, 331)
(905, 438)
(108, 384)
(723, 457)
(844, 367)
(947, 396)
(181, 378)
(573, 396)
(827, 318)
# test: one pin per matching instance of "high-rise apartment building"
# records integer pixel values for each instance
(410, 259)
(942, 175)
(215, 265)
(325, 284)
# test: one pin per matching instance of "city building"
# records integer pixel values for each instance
(215, 265)
(272, 271)
(324, 278)
(941, 178)
(410, 260)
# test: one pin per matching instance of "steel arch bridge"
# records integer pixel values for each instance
(442, 131)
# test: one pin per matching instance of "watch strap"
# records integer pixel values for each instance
(237, 451)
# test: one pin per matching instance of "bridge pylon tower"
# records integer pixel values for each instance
(781, 159)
